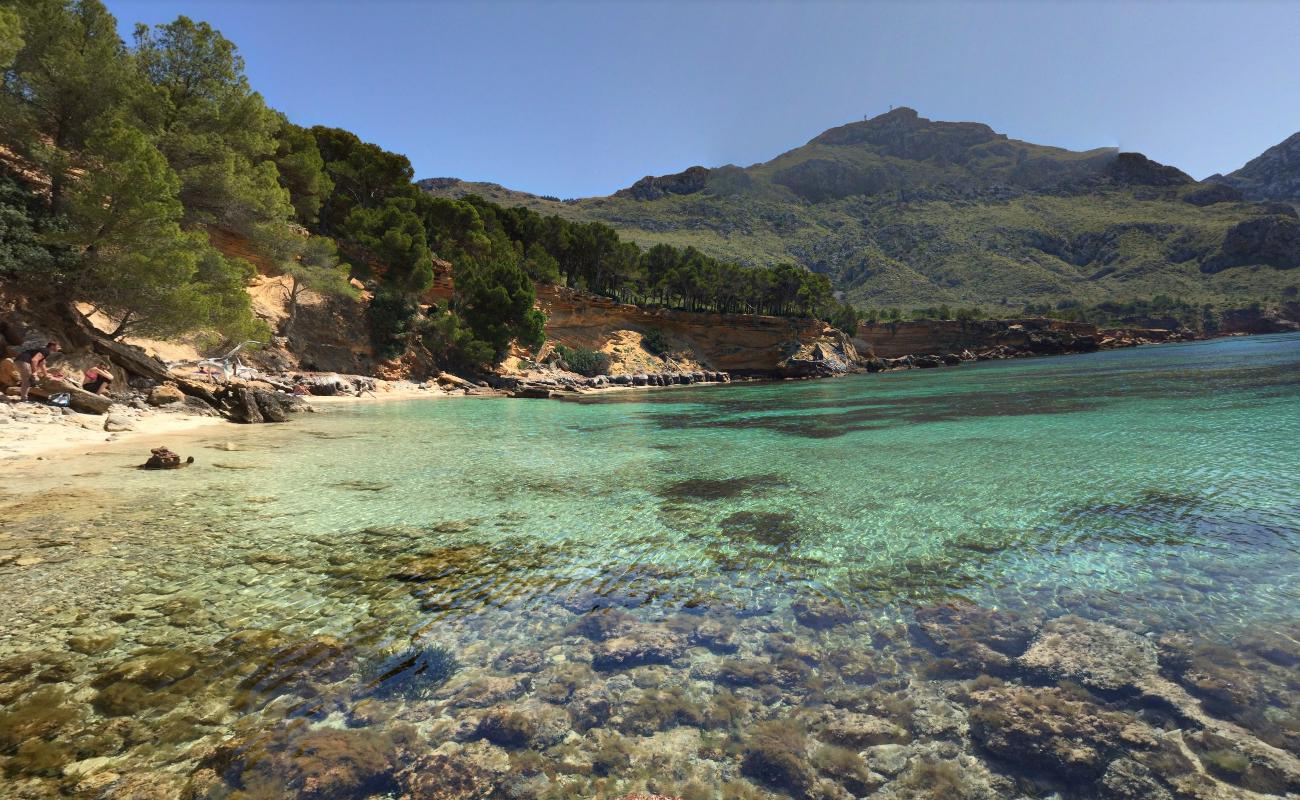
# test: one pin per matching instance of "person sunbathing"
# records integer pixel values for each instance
(97, 380)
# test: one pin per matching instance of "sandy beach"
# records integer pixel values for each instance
(34, 432)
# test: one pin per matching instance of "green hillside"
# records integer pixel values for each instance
(901, 210)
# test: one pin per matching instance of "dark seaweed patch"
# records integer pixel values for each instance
(412, 673)
(776, 529)
(724, 489)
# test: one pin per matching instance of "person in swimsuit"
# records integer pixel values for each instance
(97, 379)
(32, 366)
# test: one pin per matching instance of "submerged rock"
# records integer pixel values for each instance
(1126, 779)
(819, 613)
(852, 729)
(637, 647)
(455, 772)
(776, 753)
(1097, 655)
(527, 724)
(1066, 735)
(975, 640)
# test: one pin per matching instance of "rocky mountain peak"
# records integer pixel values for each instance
(1273, 175)
(903, 133)
(1137, 169)
(653, 187)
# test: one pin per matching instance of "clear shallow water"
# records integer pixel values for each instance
(1152, 489)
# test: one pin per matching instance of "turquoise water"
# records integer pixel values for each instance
(1155, 489)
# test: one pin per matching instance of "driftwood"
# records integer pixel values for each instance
(132, 359)
(137, 362)
(81, 400)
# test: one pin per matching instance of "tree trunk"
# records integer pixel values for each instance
(132, 359)
(81, 400)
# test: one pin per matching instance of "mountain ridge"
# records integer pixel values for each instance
(900, 209)
(1272, 175)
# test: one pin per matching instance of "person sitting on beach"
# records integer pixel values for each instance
(97, 380)
(32, 367)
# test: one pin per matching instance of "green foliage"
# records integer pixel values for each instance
(541, 266)
(393, 320)
(317, 268)
(141, 268)
(393, 236)
(302, 171)
(496, 301)
(654, 343)
(71, 70)
(26, 253)
(592, 256)
(845, 317)
(11, 36)
(217, 133)
(364, 175)
(584, 361)
(452, 343)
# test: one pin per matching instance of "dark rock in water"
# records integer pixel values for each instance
(604, 623)
(297, 669)
(784, 672)
(413, 673)
(1126, 779)
(590, 706)
(640, 646)
(975, 640)
(277, 407)
(527, 724)
(773, 528)
(319, 764)
(154, 678)
(1097, 655)
(1064, 734)
(820, 614)
(713, 635)
(163, 458)
(455, 772)
(39, 715)
(241, 406)
(776, 753)
(852, 729)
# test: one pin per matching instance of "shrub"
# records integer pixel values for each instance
(583, 361)
(654, 343)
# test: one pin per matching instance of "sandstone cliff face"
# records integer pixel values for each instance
(735, 343)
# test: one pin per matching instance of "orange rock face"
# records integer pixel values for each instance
(740, 344)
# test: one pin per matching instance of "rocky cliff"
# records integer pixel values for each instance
(741, 345)
(997, 337)
(1273, 175)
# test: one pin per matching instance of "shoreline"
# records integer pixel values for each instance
(30, 433)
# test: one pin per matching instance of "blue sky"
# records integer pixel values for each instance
(579, 99)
